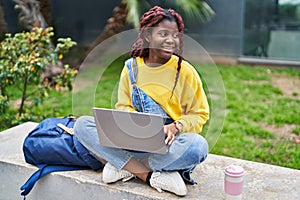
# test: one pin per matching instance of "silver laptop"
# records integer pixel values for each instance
(130, 130)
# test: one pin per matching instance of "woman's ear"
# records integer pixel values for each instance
(147, 36)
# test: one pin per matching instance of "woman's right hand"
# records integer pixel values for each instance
(170, 131)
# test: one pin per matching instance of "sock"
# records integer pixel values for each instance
(148, 178)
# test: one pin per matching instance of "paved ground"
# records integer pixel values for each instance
(262, 181)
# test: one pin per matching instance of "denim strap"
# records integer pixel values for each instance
(132, 70)
(140, 100)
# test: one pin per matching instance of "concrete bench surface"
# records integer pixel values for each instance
(262, 181)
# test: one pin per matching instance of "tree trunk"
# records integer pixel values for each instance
(24, 96)
(46, 7)
(114, 25)
(3, 25)
(30, 15)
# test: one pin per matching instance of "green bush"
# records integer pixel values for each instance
(23, 58)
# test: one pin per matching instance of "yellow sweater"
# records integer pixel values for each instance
(188, 103)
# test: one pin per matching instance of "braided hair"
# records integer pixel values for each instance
(151, 19)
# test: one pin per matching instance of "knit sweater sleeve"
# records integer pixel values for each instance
(195, 108)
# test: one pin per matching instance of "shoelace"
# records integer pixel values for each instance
(125, 178)
(156, 185)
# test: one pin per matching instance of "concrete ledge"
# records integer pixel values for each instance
(262, 181)
(268, 61)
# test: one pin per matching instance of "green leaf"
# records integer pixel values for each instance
(196, 9)
(133, 8)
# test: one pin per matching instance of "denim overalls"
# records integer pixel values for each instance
(140, 100)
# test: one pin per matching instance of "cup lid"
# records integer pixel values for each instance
(234, 170)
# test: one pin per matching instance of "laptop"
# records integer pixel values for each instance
(130, 130)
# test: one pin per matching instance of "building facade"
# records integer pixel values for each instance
(258, 29)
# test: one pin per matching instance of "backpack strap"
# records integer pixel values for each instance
(42, 171)
(132, 69)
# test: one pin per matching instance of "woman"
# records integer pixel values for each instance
(168, 85)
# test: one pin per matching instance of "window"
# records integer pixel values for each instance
(272, 29)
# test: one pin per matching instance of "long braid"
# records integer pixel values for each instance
(177, 74)
(150, 19)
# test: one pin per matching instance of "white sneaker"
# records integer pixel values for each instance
(169, 181)
(111, 174)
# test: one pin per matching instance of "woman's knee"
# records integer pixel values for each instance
(198, 147)
(82, 123)
(203, 147)
(84, 119)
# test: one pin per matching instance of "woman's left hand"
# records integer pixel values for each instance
(170, 131)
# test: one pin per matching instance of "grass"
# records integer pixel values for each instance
(252, 102)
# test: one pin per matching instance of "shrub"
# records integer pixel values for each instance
(23, 58)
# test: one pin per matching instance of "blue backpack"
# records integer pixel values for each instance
(51, 149)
